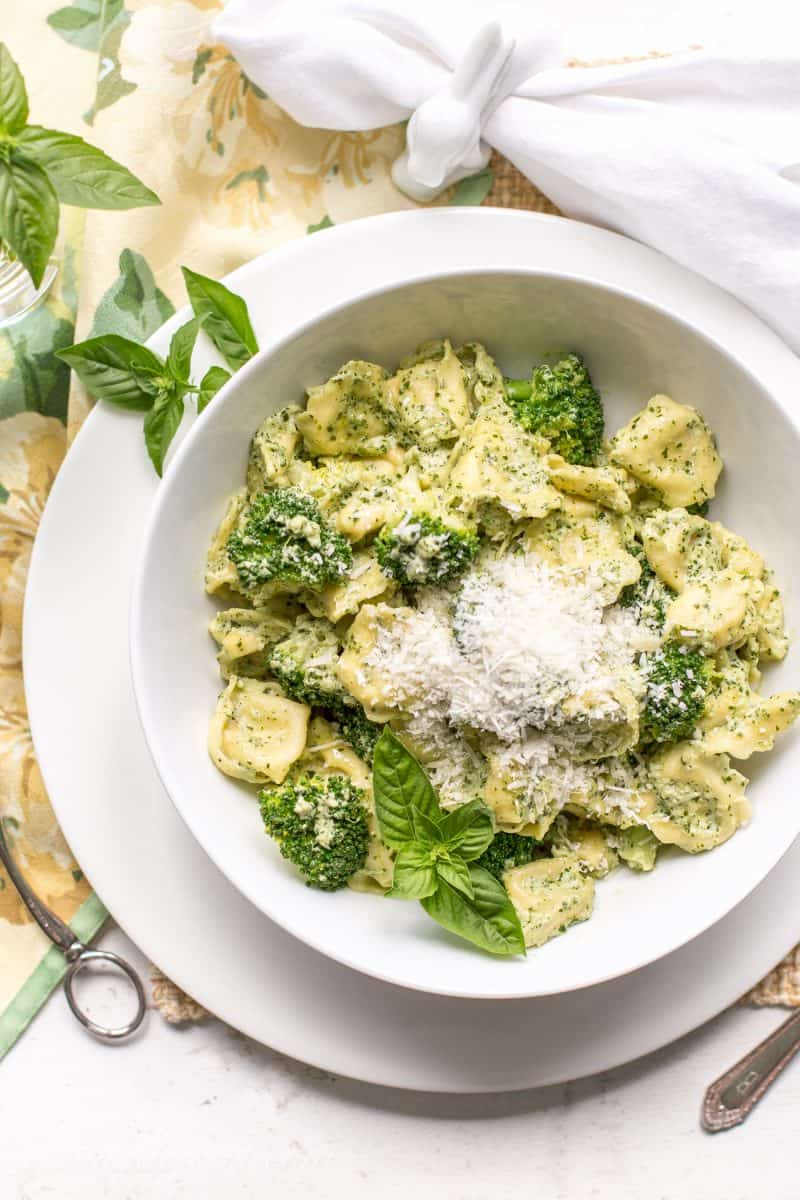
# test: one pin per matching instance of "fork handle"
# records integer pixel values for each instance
(733, 1096)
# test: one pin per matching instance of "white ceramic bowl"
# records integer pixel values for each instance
(633, 349)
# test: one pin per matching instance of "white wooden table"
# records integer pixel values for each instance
(203, 1112)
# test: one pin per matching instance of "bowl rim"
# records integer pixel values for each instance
(173, 472)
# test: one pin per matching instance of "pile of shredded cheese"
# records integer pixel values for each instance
(502, 656)
(522, 639)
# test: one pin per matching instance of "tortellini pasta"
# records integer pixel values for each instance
(257, 733)
(670, 448)
(549, 896)
(547, 713)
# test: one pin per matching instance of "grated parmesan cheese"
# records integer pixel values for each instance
(523, 654)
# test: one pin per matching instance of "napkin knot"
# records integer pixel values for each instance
(444, 140)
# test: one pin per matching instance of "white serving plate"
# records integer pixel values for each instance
(634, 349)
(150, 871)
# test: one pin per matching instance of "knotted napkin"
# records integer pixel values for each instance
(696, 154)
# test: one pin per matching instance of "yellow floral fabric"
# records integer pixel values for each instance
(144, 80)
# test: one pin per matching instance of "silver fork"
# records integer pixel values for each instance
(733, 1096)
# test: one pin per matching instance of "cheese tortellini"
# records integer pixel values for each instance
(552, 626)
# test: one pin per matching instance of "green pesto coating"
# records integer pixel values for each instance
(649, 597)
(304, 663)
(676, 685)
(421, 550)
(507, 850)
(320, 825)
(561, 405)
(285, 538)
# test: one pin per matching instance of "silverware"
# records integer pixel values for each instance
(733, 1096)
(77, 955)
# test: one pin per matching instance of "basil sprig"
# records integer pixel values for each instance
(224, 317)
(129, 375)
(436, 852)
(40, 167)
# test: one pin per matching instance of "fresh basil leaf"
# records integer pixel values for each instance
(402, 791)
(224, 317)
(212, 381)
(456, 872)
(468, 830)
(414, 874)
(13, 96)
(28, 214)
(181, 347)
(161, 425)
(81, 174)
(487, 919)
(115, 369)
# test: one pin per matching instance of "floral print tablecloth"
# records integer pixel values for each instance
(144, 80)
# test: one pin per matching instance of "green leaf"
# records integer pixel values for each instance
(402, 791)
(179, 359)
(133, 306)
(161, 425)
(468, 829)
(111, 86)
(84, 21)
(81, 174)
(118, 370)
(28, 214)
(223, 316)
(414, 874)
(474, 189)
(456, 872)
(212, 381)
(487, 919)
(13, 96)
(325, 223)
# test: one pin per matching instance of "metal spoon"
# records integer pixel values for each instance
(735, 1094)
(77, 955)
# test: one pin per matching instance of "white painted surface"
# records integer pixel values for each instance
(204, 1113)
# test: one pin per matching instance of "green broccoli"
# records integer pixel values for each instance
(320, 825)
(421, 549)
(304, 663)
(286, 538)
(357, 729)
(676, 681)
(507, 850)
(649, 597)
(560, 404)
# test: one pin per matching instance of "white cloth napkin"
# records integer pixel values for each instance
(696, 154)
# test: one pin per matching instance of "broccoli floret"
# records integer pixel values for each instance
(507, 850)
(560, 404)
(649, 597)
(357, 729)
(286, 538)
(320, 825)
(421, 550)
(676, 679)
(304, 663)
